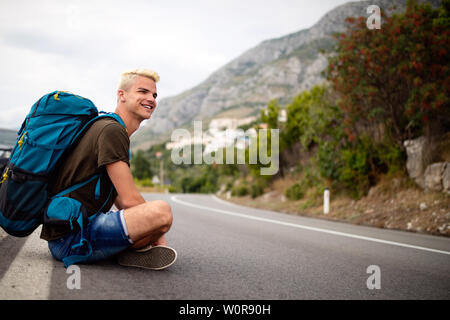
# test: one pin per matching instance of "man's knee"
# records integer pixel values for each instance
(163, 213)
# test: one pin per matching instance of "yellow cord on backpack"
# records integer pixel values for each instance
(5, 176)
(20, 142)
(55, 96)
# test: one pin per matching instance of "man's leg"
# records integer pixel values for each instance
(106, 235)
(148, 222)
(148, 240)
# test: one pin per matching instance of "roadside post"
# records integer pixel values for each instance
(326, 201)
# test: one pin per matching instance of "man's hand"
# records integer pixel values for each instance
(129, 197)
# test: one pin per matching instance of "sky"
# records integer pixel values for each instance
(83, 46)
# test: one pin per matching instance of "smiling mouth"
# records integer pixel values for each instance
(147, 107)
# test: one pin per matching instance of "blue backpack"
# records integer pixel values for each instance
(54, 125)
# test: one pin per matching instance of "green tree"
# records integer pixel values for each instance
(270, 115)
(140, 166)
(395, 80)
(311, 116)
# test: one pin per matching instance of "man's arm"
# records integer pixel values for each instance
(127, 194)
(122, 179)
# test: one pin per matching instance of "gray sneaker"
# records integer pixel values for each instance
(153, 258)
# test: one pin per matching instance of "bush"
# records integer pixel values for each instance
(198, 180)
(294, 192)
(239, 191)
(391, 157)
(256, 189)
(327, 161)
(356, 166)
(311, 117)
(140, 166)
(308, 204)
(145, 182)
(355, 169)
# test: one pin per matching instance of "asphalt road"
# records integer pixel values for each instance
(227, 251)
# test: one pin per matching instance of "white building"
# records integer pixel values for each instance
(222, 133)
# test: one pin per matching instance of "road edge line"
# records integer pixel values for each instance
(338, 233)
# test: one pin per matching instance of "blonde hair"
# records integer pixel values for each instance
(127, 78)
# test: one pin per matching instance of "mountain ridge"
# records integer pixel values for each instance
(277, 68)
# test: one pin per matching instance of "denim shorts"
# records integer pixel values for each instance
(106, 234)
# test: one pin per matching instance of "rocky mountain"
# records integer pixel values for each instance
(275, 69)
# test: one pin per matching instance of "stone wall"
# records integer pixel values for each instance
(429, 176)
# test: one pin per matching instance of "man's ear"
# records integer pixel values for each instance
(121, 95)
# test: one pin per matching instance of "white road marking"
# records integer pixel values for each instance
(294, 225)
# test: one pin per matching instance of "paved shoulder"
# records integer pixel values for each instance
(25, 268)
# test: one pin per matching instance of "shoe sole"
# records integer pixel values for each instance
(153, 258)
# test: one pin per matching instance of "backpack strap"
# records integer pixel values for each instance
(103, 114)
(80, 221)
(83, 183)
(76, 186)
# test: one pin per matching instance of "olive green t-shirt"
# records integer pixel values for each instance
(105, 142)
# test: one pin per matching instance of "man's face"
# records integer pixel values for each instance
(140, 98)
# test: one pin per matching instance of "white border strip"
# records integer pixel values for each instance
(288, 224)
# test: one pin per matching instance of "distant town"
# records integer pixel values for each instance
(223, 133)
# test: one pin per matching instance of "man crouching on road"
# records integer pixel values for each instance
(135, 233)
